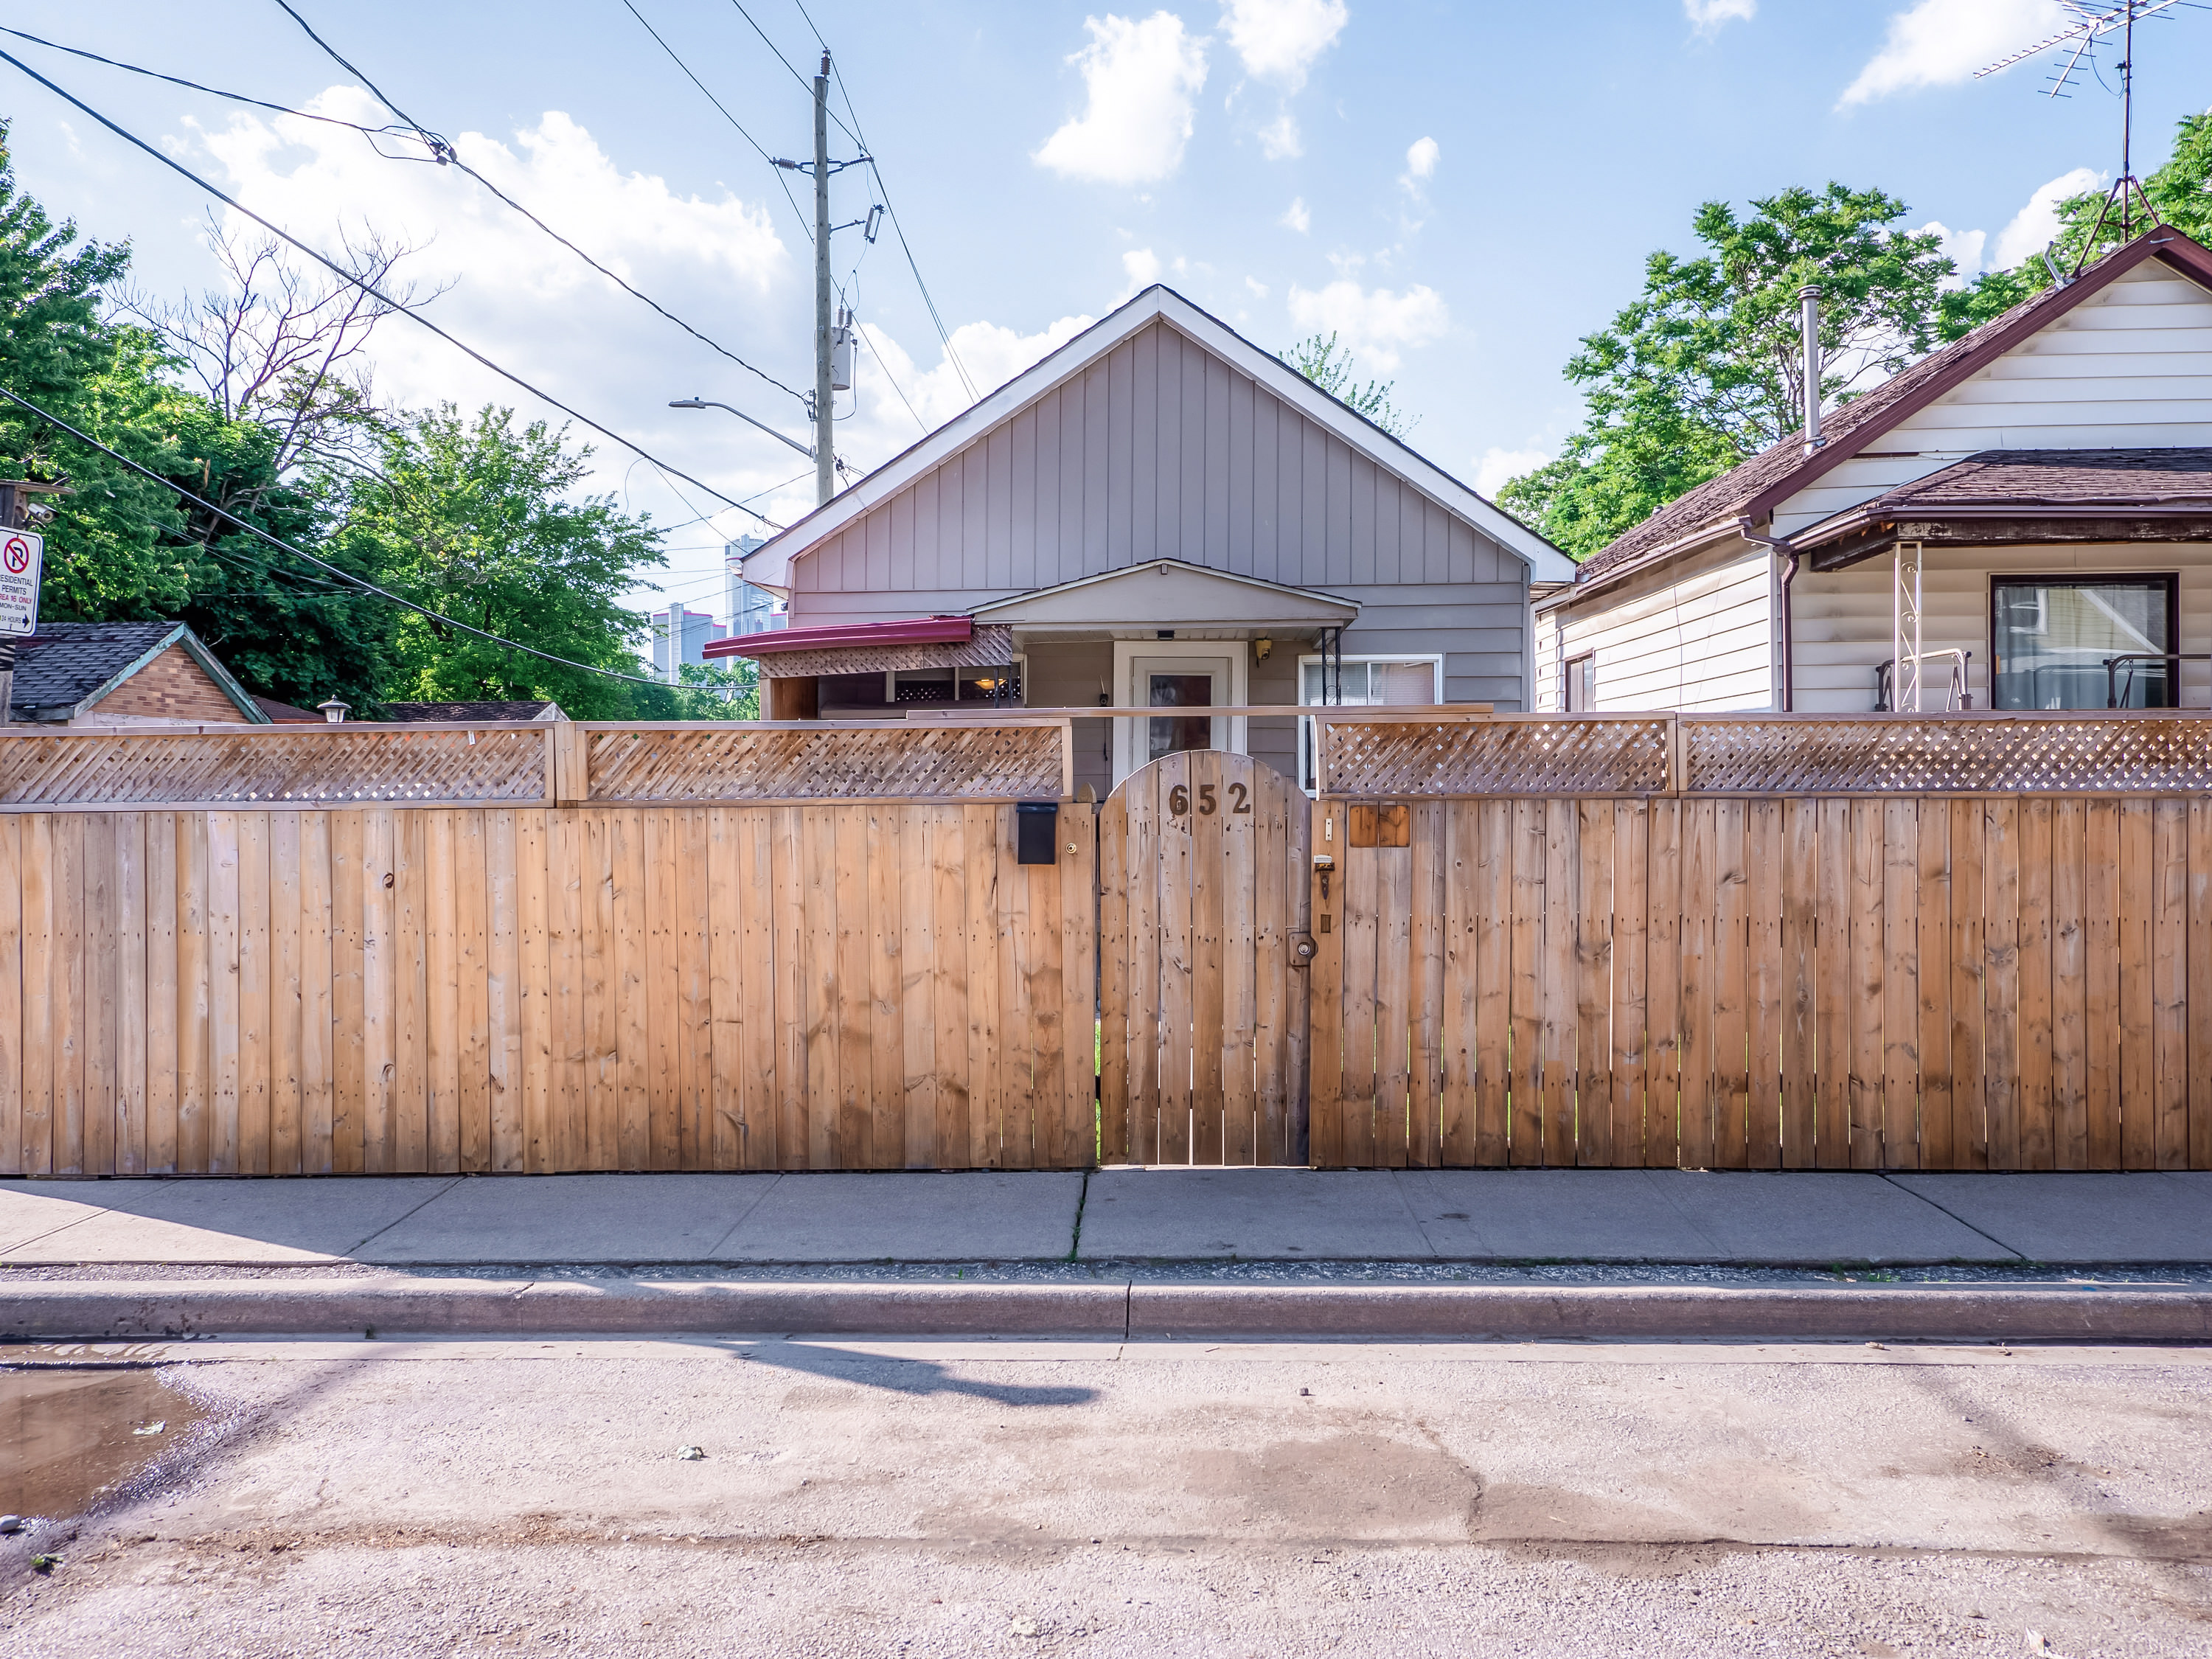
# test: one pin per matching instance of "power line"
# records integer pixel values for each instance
(443, 151)
(804, 85)
(370, 289)
(359, 582)
(371, 133)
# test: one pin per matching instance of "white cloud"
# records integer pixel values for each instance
(1496, 468)
(1259, 288)
(1709, 16)
(2035, 226)
(1420, 162)
(1142, 267)
(1139, 80)
(1279, 140)
(1963, 248)
(1939, 43)
(1296, 217)
(1374, 323)
(1281, 39)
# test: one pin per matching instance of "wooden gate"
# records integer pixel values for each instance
(1202, 871)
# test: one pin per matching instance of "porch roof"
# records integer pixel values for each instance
(2010, 497)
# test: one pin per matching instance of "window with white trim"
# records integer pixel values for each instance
(1366, 682)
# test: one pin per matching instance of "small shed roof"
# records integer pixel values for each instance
(66, 667)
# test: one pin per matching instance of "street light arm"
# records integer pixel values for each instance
(709, 403)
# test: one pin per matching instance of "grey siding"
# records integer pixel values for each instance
(1161, 449)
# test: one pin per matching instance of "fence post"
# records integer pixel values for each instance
(571, 764)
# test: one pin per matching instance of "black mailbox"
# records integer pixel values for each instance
(1037, 832)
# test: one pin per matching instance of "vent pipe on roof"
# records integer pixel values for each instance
(1809, 298)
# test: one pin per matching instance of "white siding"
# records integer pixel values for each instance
(1842, 621)
(2129, 368)
(1701, 639)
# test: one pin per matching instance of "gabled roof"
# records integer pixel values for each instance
(1195, 594)
(2009, 480)
(1754, 488)
(1159, 303)
(66, 668)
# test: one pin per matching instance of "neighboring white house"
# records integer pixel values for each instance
(2026, 512)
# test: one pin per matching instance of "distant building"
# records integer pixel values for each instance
(680, 636)
(752, 610)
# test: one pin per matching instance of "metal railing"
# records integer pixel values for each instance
(1959, 693)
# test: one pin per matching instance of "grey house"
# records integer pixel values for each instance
(1160, 513)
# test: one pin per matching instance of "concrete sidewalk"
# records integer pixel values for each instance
(1119, 1215)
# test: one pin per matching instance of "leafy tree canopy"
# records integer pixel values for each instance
(1706, 368)
(2180, 190)
(474, 518)
(1328, 365)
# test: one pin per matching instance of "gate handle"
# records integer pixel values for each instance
(1304, 948)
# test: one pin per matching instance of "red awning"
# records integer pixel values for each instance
(918, 630)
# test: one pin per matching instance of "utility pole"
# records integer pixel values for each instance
(825, 461)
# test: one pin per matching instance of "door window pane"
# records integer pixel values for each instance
(1185, 732)
(2050, 639)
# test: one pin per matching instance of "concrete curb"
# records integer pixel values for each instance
(123, 1311)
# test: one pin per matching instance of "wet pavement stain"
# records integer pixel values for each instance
(66, 1435)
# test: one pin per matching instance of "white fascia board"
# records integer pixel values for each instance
(1545, 562)
(983, 612)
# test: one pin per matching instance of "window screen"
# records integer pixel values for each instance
(2051, 638)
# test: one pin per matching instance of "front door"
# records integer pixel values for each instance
(1185, 684)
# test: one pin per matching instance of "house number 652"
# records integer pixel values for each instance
(1179, 799)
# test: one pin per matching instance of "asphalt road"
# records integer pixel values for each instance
(854, 1498)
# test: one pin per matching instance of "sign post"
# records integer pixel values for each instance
(22, 560)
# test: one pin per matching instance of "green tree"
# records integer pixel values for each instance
(1706, 368)
(473, 518)
(1328, 365)
(2180, 190)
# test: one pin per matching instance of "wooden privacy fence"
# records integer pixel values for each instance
(1744, 941)
(804, 984)
(1680, 962)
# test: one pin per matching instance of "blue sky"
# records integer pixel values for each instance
(1460, 190)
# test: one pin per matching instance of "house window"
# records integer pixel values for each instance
(2050, 638)
(1365, 683)
(1579, 690)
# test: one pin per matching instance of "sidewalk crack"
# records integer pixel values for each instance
(1082, 1197)
(2017, 1254)
(359, 1245)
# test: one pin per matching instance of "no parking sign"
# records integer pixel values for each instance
(22, 556)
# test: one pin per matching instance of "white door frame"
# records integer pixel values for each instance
(1235, 652)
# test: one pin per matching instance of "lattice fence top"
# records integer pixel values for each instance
(301, 766)
(1528, 756)
(919, 762)
(1998, 754)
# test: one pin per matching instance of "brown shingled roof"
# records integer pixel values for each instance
(1753, 488)
(2012, 478)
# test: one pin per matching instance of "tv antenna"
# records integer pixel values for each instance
(2094, 20)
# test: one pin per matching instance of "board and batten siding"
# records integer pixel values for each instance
(2131, 367)
(1160, 449)
(1696, 637)
(1842, 620)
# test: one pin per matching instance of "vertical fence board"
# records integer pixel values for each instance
(1870, 964)
(472, 926)
(1834, 986)
(886, 1025)
(1662, 954)
(1764, 992)
(287, 993)
(2199, 971)
(1394, 1007)
(1593, 1103)
(985, 1081)
(1699, 904)
(793, 1049)
(1361, 877)
(1494, 841)
(94, 1145)
(2138, 1074)
(441, 982)
(1425, 988)
(506, 992)
(1729, 977)
(949, 986)
(1116, 994)
(917, 985)
(1970, 1138)
(2000, 984)
(132, 997)
(2170, 985)
(33, 1152)
(2070, 1127)
(1632, 830)
(1798, 1106)
(1525, 1124)
(1276, 879)
(1209, 877)
(1933, 985)
(2035, 974)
